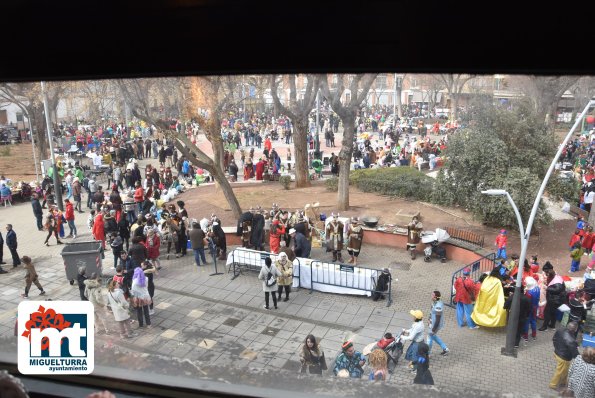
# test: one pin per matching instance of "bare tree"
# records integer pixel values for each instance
(433, 87)
(454, 84)
(359, 86)
(298, 111)
(137, 91)
(545, 93)
(27, 96)
(582, 91)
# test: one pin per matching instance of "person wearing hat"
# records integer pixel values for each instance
(349, 362)
(334, 237)
(501, 242)
(533, 292)
(466, 291)
(31, 277)
(415, 334)
(301, 245)
(77, 194)
(284, 281)
(554, 295)
(355, 237)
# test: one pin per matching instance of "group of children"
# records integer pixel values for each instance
(581, 243)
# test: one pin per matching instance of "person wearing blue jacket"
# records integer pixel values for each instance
(533, 292)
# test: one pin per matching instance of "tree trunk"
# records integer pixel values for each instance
(454, 106)
(39, 129)
(300, 144)
(399, 103)
(225, 186)
(345, 162)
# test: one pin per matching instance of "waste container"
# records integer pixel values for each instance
(79, 254)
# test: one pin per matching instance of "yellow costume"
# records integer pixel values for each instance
(489, 306)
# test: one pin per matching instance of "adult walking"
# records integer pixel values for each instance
(415, 334)
(69, 216)
(11, 242)
(285, 267)
(120, 309)
(268, 275)
(436, 323)
(565, 350)
(141, 299)
(197, 241)
(31, 277)
(37, 211)
(312, 357)
(465, 298)
(77, 191)
(581, 375)
(554, 296)
(150, 270)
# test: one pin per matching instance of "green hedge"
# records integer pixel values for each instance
(403, 182)
(564, 188)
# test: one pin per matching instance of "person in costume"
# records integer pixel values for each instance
(257, 236)
(501, 242)
(465, 292)
(414, 229)
(349, 362)
(533, 292)
(275, 236)
(355, 237)
(489, 307)
(334, 237)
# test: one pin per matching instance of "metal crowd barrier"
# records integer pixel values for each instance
(348, 276)
(478, 267)
(253, 260)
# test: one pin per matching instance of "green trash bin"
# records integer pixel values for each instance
(77, 254)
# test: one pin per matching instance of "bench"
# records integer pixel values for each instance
(465, 236)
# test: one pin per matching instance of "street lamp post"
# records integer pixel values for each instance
(48, 122)
(509, 349)
(513, 319)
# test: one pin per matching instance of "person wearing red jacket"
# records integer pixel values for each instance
(575, 238)
(501, 242)
(139, 197)
(69, 216)
(588, 240)
(99, 229)
(466, 291)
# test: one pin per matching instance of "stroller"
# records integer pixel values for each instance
(434, 249)
(393, 347)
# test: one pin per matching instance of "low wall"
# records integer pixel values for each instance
(380, 238)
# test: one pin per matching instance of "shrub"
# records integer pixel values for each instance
(285, 181)
(564, 188)
(403, 182)
(332, 184)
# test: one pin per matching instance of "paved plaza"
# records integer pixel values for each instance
(217, 323)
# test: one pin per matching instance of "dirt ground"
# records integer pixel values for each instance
(18, 164)
(548, 242)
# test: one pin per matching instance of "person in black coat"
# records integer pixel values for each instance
(422, 362)
(37, 211)
(233, 170)
(2, 254)
(11, 242)
(124, 230)
(257, 237)
(555, 296)
(219, 237)
(81, 278)
(524, 313)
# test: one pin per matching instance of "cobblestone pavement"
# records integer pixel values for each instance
(219, 322)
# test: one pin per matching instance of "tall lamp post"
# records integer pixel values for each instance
(48, 122)
(509, 349)
(513, 319)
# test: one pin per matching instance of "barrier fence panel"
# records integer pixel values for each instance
(478, 267)
(253, 260)
(347, 276)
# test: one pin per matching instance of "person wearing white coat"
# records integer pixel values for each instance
(120, 306)
(267, 288)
